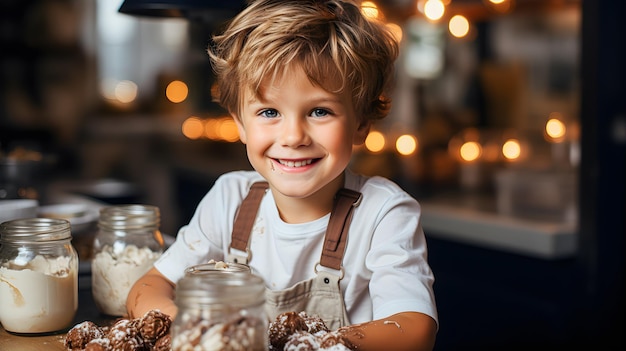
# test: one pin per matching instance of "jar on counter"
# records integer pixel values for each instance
(38, 275)
(220, 311)
(126, 245)
(219, 266)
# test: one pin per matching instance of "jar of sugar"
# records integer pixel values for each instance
(220, 310)
(38, 275)
(126, 245)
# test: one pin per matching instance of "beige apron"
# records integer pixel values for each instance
(319, 296)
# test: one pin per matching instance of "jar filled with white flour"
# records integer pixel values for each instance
(126, 245)
(38, 275)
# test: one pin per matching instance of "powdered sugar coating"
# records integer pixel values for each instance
(124, 336)
(100, 344)
(291, 331)
(150, 332)
(81, 334)
(314, 324)
(301, 341)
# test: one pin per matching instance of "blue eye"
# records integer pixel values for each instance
(269, 113)
(319, 112)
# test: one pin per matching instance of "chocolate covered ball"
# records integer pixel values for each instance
(81, 334)
(102, 344)
(154, 325)
(314, 324)
(283, 327)
(163, 344)
(302, 341)
(124, 336)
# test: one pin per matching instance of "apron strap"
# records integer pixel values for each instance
(244, 220)
(338, 224)
(336, 233)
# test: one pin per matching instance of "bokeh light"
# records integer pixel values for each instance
(555, 128)
(406, 144)
(434, 9)
(470, 151)
(125, 91)
(176, 91)
(458, 26)
(370, 9)
(511, 149)
(375, 141)
(193, 128)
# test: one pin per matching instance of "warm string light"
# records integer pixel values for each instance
(434, 9)
(458, 26)
(216, 129)
(176, 91)
(487, 146)
(512, 149)
(375, 142)
(555, 129)
(405, 145)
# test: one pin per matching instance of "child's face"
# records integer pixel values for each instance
(298, 135)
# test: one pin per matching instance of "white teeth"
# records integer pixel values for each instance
(295, 163)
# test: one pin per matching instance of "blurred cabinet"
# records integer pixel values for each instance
(493, 300)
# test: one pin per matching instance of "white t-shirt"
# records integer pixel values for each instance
(385, 262)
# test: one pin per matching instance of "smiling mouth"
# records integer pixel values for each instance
(296, 164)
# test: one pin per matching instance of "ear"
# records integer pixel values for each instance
(240, 128)
(361, 133)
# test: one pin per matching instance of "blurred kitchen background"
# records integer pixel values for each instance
(509, 126)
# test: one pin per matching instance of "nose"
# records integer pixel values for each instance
(294, 132)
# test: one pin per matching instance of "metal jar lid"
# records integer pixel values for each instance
(236, 290)
(30, 230)
(217, 267)
(125, 217)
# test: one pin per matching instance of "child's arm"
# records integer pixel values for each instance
(151, 291)
(403, 331)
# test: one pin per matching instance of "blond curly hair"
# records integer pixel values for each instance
(332, 40)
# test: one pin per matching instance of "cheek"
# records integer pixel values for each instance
(257, 139)
(339, 141)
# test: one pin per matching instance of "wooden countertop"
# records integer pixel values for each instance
(53, 342)
(31, 343)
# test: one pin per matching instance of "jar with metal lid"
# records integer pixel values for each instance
(220, 311)
(38, 275)
(217, 267)
(126, 245)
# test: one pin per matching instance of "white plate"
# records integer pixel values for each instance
(80, 216)
(17, 209)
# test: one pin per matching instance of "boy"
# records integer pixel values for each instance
(303, 81)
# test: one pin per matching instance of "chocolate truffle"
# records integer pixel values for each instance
(314, 324)
(154, 325)
(81, 334)
(163, 344)
(282, 327)
(124, 336)
(301, 341)
(101, 344)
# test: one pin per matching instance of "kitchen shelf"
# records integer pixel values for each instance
(480, 226)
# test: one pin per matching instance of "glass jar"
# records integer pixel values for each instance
(126, 245)
(219, 266)
(38, 275)
(220, 311)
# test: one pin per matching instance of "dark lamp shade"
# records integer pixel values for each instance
(191, 9)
